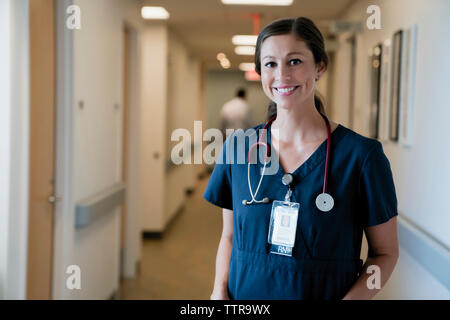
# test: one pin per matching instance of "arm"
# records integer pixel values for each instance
(383, 252)
(220, 291)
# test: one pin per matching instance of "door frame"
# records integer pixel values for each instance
(132, 231)
(42, 148)
(63, 228)
(353, 54)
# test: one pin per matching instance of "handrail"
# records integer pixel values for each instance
(97, 205)
(433, 255)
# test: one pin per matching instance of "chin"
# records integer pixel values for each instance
(286, 104)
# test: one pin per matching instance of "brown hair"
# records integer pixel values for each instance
(305, 29)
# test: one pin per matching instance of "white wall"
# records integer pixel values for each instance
(152, 145)
(171, 95)
(421, 172)
(97, 134)
(411, 281)
(340, 106)
(419, 193)
(89, 143)
(5, 135)
(14, 144)
(184, 76)
(221, 86)
(90, 66)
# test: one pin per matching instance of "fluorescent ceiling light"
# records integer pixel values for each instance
(247, 66)
(377, 51)
(260, 2)
(244, 40)
(245, 50)
(154, 13)
(225, 63)
(221, 56)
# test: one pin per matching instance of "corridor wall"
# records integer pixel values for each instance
(96, 134)
(14, 147)
(171, 99)
(421, 172)
(183, 108)
(152, 123)
(89, 146)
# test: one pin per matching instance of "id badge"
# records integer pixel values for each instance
(283, 226)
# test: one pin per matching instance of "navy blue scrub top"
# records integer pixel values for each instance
(326, 257)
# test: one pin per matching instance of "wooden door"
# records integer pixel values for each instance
(42, 149)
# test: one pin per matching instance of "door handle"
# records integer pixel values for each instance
(53, 199)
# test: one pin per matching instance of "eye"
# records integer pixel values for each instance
(270, 64)
(294, 62)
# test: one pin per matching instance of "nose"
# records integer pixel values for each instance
(283, 73)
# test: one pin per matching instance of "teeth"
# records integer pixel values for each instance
(286, 90)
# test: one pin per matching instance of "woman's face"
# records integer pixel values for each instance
(288, 70)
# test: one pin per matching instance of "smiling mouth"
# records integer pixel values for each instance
(286, 90)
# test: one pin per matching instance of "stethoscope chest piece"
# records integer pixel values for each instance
(324, 202)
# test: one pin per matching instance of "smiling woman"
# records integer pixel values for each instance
(310, 50)
(303, 240)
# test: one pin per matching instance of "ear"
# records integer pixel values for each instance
(320, 69)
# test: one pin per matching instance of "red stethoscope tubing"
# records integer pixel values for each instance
(264, 144)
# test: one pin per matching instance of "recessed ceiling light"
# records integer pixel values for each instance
(247, 66)
(225, 63)
(260, 2)
(244, 40)
(245, 50)
(221, 56)
(154, 13)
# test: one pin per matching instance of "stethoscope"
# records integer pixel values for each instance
(324, 201)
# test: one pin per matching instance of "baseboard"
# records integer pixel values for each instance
(115, 295)
(138, 267)
(160, 234)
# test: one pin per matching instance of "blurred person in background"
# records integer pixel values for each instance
(308, 245)
(235, 114)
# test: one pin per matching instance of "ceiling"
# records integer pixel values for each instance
(206, 26)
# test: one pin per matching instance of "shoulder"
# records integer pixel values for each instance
(227, 104)
(358, 144)
(254, 131)
(243, 139)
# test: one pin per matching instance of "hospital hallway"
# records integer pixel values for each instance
(180, 265)
(113, 117)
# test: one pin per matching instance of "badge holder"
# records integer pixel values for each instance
(283, 226)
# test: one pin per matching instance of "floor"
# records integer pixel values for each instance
(181, 264)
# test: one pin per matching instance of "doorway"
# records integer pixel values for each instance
(42, 149)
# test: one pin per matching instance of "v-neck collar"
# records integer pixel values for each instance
(314, 159)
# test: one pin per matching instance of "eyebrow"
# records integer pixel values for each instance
(289, 54)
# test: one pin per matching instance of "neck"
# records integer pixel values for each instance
(299, 124)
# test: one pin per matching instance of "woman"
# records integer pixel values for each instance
(323, 159)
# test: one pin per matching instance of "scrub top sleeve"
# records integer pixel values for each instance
(218, 191)
(376, 187)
